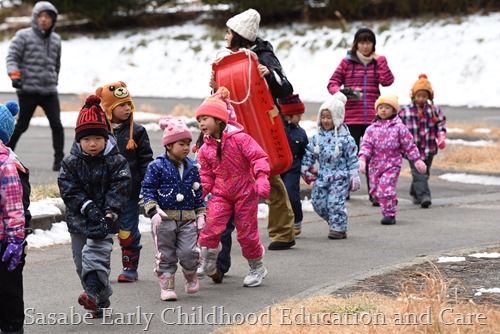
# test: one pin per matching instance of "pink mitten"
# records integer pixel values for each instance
(158, 217)
(441, 140)
(420, 166)
(362, 166)
(263, 186)
(200, 221)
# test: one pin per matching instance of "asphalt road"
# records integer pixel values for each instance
(462, 216)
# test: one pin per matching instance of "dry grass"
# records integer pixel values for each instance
(423, 309)
(41, 192)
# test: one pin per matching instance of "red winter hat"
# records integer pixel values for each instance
(91, 120)
(174, 129)
(216, 105)
(292, 105)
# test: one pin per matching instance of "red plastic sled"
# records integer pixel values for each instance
(254, 106)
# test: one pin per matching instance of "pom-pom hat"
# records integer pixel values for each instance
(217, 106)
(7, 113)
(245, 24)
(91, 120)
(422, 84)
(391, 100)
(112, 95)
(336, 106)
(174, 129)
(292, 105)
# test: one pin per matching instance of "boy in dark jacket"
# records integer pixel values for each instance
(133, 143)
(94, 182)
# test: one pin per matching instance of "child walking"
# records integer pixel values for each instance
(94, 182)
(12, 227)
(133, 143)
(335, 150)
(385, 140)
(172, 198)
(235, 170)
(427, 124)
(292, 109)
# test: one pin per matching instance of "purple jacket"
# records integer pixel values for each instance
(351, 73)
(384, 143)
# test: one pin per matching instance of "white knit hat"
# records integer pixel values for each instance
(245, 24)
(336, 105)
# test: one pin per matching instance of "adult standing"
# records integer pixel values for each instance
(33, 63)
(242, 33)
(360, 74)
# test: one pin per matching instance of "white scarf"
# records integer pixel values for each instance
(365, 60)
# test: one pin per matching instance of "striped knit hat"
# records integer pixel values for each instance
(91, 120)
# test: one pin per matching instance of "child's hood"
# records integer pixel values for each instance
(111, 148)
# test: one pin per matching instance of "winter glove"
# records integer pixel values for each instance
(13, 252)
(263, 186)
(310, 175)
(352, 94)
(420, 166)
(17, 83)
(99, 232)
(157, 216)
(200, 221)
(362, 166)
(355, 183)
(441, 140)
(93, 214)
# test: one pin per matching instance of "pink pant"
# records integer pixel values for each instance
(219, 211)
(383, 183)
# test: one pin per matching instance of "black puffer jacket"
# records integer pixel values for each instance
(103, 179)
(265, 53)
(139, 158)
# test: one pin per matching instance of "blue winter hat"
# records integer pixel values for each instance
(7, 113)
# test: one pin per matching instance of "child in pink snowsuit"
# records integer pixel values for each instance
(235, 170)
(384, 142)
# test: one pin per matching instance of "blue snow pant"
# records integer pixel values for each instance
(329, 202)
(291, 179)
(129, 235)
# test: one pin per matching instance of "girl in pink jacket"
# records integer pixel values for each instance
(235, 170)
(385, 140)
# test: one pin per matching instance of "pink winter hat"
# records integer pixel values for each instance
(174, 129)
(216, 106)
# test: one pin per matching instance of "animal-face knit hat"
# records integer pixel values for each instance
(245, 24)
(7, 113)
(91, 120)
(336, 106)
(391, 100)
(217, 106)
(112, 95)
(292, 105)
(174, 129)
(422, 84)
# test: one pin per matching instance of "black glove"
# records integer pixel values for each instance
(93, 214)
(99, 232)
(17, 83)
(354, 94)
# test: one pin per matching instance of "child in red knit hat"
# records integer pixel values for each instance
(427, 124)
(94, 182)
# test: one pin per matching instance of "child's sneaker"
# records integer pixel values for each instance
(89, 298)
(218, 276)
(191, 284)
(257, 273)
(337, 234)
(200, 272)
(298, 228)
(388, 220)
(167, 284)
(99, 313)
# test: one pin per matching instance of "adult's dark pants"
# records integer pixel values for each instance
(224, 258)
(357, 132)
(52, 109)
(11, 295)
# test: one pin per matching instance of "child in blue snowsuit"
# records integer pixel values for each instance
(335, 150)
(292, 109)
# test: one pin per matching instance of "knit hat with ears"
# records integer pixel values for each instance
(217, 106)
(7, 113)
(245, 24)
(292, 105)
(391, 100)
(174, 129)
(91, 120)
(336, 106)
(112, 95)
